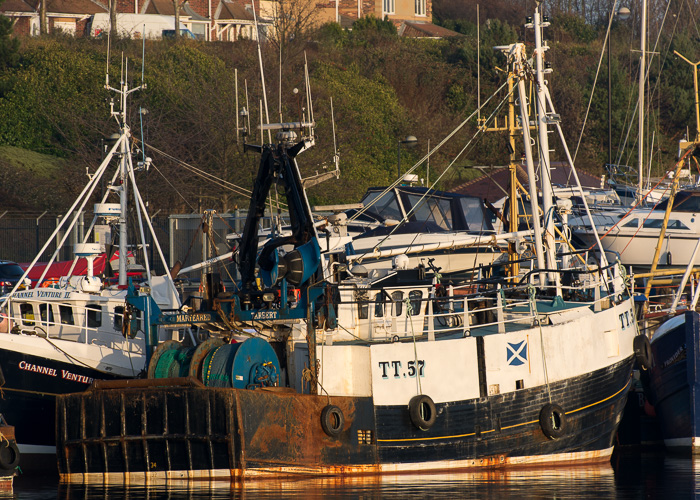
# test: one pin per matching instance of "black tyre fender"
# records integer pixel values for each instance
(553, 421)
(332, 420)
(9, 455)
(422, 411)
(642, 352)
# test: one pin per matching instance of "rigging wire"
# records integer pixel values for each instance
(479, 131)
(430, 153)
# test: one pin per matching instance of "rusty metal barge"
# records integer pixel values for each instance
(316, 366)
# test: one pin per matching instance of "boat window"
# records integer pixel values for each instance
(632, 223)
(676, 224)
(387, 207)
(653, 223)
(431, 210)
(94, 316)
(362, 305)
(416, 297)
(66, 313)
(380, 300)
(118, 318)
(46, 313)
(27, 313)
(397, 298)
(474, 213)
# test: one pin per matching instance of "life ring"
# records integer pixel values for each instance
(9, 455)
(49, 282)
(642, 352)
(421, 409)
(553, 421)
(332, 420)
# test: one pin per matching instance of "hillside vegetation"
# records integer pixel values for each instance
(383, 88)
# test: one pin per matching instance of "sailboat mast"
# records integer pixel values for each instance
(642, 79)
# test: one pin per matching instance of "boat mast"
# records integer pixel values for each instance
(124, 183)
(642, 78)
(542, 122)
(516, 54)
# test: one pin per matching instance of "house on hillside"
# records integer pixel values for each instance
(412, 18)
(494, 184)
(209, 20)
(67, 16)
(220, 20)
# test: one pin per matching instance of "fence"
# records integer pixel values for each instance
(180, 236)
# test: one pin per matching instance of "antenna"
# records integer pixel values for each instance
(235, 79)
(269, 134)
(247, 105)
(309, 102)
(143, 53)
(109, 40)
(262, 72)
(478, 68)
(336, 157)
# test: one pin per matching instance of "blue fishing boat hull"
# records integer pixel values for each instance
(674, 381)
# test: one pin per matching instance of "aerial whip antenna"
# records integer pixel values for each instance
(262, 73)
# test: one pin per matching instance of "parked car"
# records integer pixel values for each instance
(10, 274)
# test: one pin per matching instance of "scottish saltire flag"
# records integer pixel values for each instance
(516, 353)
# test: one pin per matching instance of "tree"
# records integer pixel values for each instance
(43, 20)
(293, 19)
(9, 47)
(177, 5)
(113, 19)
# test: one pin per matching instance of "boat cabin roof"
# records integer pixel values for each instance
(442, 210)
(685, 201)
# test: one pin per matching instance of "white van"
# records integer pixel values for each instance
(134, 25)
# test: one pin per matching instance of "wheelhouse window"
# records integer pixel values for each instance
(431, 210)
(362, 305)
(632, 223)
(474, 213)
(380, 301)
(397, 300)
(66, 313)
(118, 318)
(46, 313)
(416, 299)
(94, 316)
(386, 207)
(26, 311)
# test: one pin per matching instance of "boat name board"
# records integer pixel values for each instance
(180, 319)
(42, 294)
(413, 368)
(45, 370)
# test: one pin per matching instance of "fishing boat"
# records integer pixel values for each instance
(354, 371)
(673, 381)
(63, 333)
